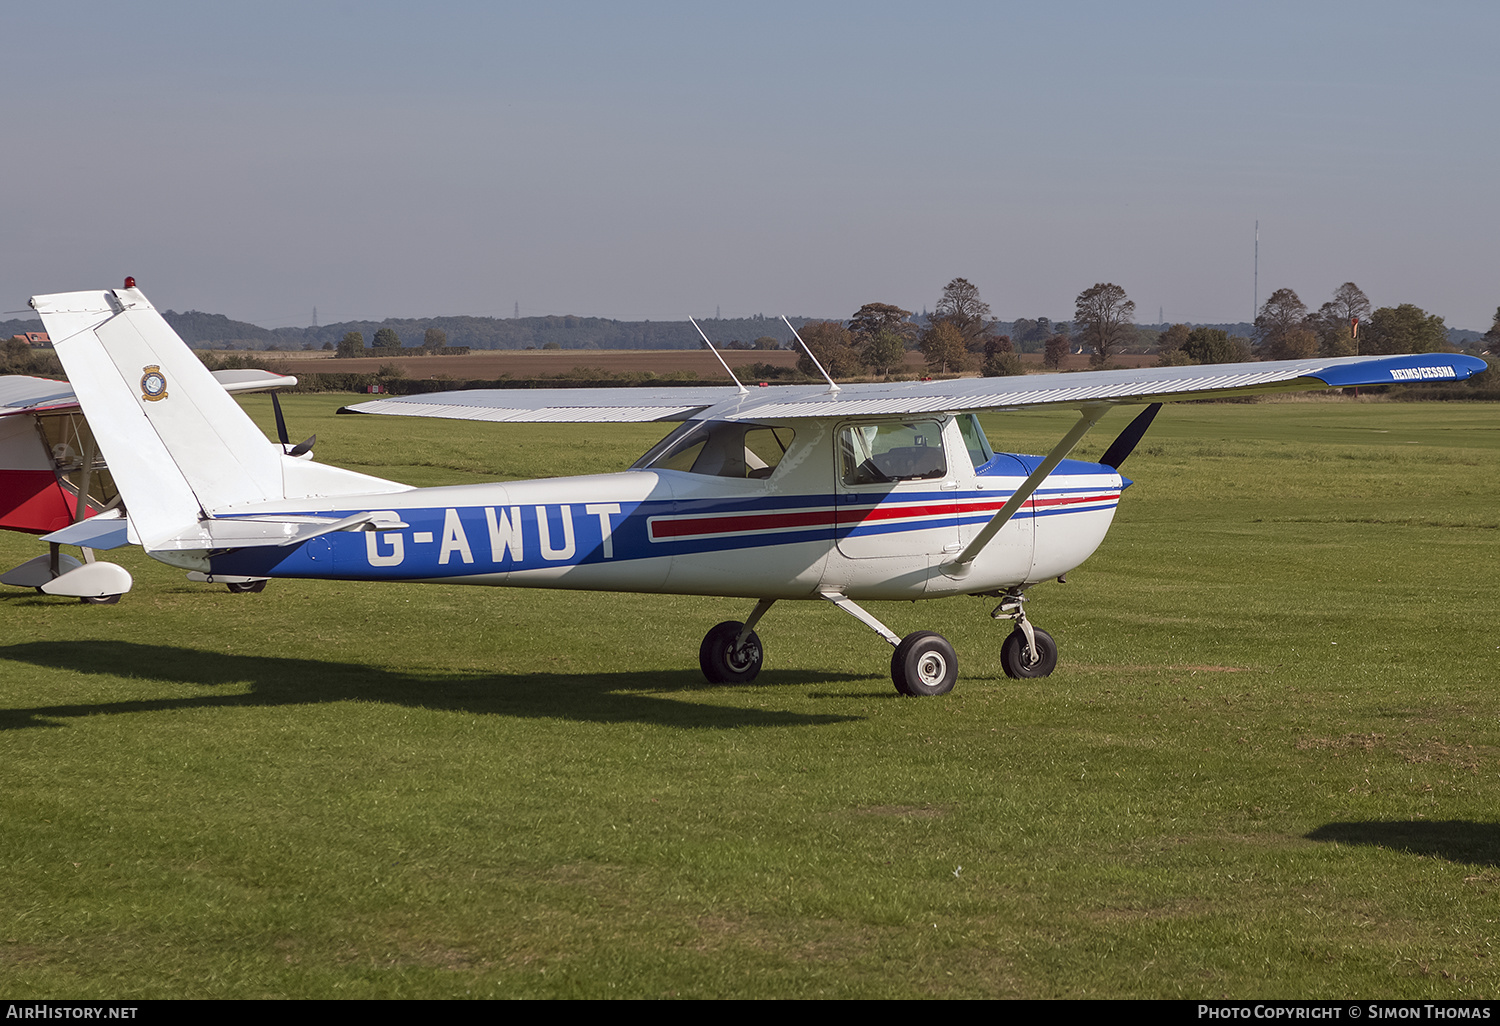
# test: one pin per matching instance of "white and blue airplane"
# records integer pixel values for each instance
(808, 492)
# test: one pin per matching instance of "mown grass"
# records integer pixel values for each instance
(1267, 764)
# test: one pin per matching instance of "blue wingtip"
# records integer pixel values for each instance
(1406, 368)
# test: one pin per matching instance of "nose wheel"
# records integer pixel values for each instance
(1028, 651)
(1023, 657)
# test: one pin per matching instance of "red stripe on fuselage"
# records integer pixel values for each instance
(959, 507)
(664, 528)
(1073, 500)
(670, 527)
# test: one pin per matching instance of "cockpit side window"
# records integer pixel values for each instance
(894, 451)
(76, 459)
(720, 449)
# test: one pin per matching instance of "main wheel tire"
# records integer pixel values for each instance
(98, 600)
(246, 587)
(1015, 656)
(722, 662)
(924, 664)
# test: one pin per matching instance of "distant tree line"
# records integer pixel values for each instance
(561, 332)
(388, 343)
(957, 336)
(960, 334)
(1285, 329)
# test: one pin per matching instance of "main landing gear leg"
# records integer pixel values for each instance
(731, 652)
(1028, 651)
(923, 663)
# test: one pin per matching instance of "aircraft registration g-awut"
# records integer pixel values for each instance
(813, 492)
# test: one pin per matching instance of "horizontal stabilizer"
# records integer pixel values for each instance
(252, 379)
(100, 532)
(280, 531)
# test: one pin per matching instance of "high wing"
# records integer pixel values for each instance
(20, 394)
(557, 405)
(1072, 390)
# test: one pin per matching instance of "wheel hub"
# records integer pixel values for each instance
(741, 657)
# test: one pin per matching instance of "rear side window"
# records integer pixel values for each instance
(720, 449)
(894, 451)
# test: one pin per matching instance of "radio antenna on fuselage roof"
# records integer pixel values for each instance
(742, 388)
(832, 385)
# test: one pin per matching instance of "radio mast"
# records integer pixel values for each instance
(1256, 308)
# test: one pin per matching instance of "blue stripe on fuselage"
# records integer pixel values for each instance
(461, 541)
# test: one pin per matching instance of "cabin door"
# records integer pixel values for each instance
(894, 496)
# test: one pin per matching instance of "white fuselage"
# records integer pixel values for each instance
(801, 530)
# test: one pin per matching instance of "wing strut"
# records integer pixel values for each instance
(963, 562)
(89, 452)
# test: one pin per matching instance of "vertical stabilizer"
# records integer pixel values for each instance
(178, 445)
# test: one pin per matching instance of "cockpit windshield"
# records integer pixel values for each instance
(720, 448)
(980, 452)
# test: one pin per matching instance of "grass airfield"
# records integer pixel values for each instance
(1266, 766)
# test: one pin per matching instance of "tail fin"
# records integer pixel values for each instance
(179, 447)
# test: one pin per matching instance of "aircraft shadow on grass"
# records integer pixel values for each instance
(1456, 840)
(277, 680)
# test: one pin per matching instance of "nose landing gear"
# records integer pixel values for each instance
(1028, 651)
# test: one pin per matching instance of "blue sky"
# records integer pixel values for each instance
(654, 160)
